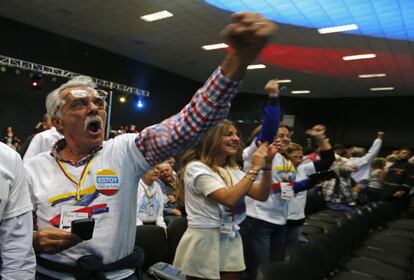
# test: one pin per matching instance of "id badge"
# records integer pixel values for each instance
(151, 209)
(286, 191)
(72, 213)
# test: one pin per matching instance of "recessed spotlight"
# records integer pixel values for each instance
(3, 69)
(381, 88)
(157, 16)
(256, 66)
(366, 76)
(335, 29)
(300, 91)
(215, 46)
(359, 56)
(286, 81)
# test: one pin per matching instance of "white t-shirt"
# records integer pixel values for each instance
(296, 210)
(204, 212)
(362, 165)
(110, 190)
(16, 252)
(14, 194)
(150, 204)
(42, 142)
(275, 209)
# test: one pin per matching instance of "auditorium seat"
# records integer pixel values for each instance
(175, 231)
(153, 240)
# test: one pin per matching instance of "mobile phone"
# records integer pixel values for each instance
(166, 271)
(83, 228)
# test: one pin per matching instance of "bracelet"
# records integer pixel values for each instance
(253, 171)
(248, 178)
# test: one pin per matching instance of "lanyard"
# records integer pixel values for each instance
(147, 194)
(286, 169)
(231, 180)
(73, 179)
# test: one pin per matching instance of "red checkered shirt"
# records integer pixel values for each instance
(173, 136)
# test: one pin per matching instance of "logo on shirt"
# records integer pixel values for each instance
(107, 182)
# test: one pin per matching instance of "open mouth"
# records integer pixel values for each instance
(94, 126)
(233, 145)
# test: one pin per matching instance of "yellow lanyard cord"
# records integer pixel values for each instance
(73, 179)
(286, 169)
(231, 180)
(147, 194)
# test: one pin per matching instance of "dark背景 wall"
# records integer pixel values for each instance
(349, 121)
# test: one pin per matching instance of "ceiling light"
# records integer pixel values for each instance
(157, 16)
(335, 29)
(284, 81)
(381, 88)
(359, 56)
(365, 76)
(300, 91)
(215, 46)
(256, 66)
(122, 99)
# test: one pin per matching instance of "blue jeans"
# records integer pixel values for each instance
(292, 235)
(262, 242)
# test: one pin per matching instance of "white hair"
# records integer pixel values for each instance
(54, 102)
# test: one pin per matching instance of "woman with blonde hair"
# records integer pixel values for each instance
(214, 186)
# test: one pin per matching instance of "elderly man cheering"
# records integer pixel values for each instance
(86, 177)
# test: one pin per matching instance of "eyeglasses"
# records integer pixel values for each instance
(81, 94)
(84, 92)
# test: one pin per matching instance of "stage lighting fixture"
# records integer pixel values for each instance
(3, 69)
(36, 81)
(122, 99)
(140, 103)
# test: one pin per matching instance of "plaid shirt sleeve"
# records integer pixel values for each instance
(209, 105)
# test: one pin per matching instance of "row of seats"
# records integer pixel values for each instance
(159, 245)
(372, 243)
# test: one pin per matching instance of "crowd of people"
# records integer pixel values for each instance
(239, 215)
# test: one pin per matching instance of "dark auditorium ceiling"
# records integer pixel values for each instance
(312, 61)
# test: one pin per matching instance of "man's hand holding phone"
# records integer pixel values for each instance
(83, 228)
(52, 240)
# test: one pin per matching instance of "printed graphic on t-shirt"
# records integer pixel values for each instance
(87, 196)
(106, 183)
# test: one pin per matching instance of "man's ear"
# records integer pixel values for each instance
(58, 124)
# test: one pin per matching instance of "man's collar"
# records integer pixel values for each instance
(61, 144)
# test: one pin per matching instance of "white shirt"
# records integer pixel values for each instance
(150, 204)
(204, 212)
(296, 210)
(16, 225)
(275, 209)
(362, 165)
(114, 233)
(42, 142)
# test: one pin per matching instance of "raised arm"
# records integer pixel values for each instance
(247, 34)
(271, 120)
(271, 113)
(318, 134)
(372, 152)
